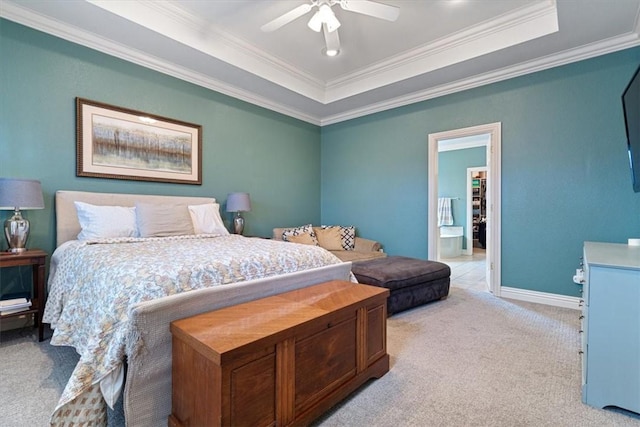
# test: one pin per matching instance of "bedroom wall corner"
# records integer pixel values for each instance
(245, 148)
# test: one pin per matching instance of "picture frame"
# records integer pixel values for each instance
(120, 143)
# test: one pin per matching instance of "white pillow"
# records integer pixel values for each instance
(206, 219)
(102, 222)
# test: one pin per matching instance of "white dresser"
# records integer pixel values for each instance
(611, 326)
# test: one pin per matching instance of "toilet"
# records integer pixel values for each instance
(451, 241)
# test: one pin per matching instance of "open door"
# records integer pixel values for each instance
(493, 179)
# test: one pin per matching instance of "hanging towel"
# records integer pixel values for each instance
(445, 216)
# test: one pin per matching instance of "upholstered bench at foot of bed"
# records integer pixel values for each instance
(412, 282)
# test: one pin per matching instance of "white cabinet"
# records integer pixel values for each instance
(611, 326)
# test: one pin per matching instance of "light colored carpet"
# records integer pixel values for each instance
(469, 360)
(476, 360)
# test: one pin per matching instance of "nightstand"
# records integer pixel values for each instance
(35, 258)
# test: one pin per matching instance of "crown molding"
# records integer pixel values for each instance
(75, 35)
(524, 24)
(171, 21)
(573, 55)
(51, 26)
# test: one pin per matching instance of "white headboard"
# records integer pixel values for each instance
(67, 225)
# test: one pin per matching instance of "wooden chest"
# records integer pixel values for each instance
(278, 361)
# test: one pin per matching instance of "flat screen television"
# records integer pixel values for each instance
(631, 108)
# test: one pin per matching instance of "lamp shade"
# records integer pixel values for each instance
(238, 202)
(21, 194)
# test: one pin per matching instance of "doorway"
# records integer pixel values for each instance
(489, 136)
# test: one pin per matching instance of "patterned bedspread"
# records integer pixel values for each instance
(93, 286)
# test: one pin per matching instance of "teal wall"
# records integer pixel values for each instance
(452, 180)
(245, 148)
(565, 176)
(565, 172)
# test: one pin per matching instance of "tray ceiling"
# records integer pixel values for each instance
(433, 48)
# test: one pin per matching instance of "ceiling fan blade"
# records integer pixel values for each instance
(371, 8)
(332, 41)
(286, 18)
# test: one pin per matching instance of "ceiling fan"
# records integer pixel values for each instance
(324, 19)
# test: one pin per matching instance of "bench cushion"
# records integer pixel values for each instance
(412, 282)
(397, 272)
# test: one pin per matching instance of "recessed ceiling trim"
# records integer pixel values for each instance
(573, 55)
(459, 38)
(527, 23)
(75, 35)
(68, 32)
(173, 22)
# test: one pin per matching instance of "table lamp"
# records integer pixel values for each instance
(16, 194)
(238, 203)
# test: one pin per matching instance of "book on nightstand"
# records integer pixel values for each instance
(14, 305)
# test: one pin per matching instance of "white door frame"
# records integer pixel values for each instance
(493, 196)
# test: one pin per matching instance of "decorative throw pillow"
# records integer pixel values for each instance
(347, 234)
(329, 238)
(308, 229)
(304, 238)
(155, 220)
(103, 222)
(206, 219)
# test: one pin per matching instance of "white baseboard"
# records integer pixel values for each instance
(541, 297)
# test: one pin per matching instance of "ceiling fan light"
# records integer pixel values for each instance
(315, 23)
(331, 52)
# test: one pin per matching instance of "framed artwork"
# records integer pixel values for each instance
(118, 143)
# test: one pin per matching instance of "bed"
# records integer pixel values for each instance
(113, 298)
